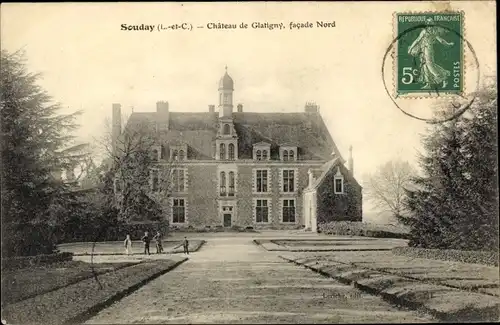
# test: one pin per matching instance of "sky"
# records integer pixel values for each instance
(88, 62)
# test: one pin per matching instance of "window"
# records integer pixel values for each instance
(339, 185)
(288, 210)
(291, 155)
(261, 180)
(222, 151)
(222, 183)
(338, 182)
(175, 155)
(226, 129)
(231, 183)
(231, 151)
(264, 155)
(181, 155)
(261, 211)
(259, 155)
(178, 180)
(154, 180)
(288, 181)
(285, 155)
(154, 155)
(118, 188)
(178, 211)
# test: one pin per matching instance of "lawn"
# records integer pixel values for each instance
(77, 302)
(28, 282)
(116, 248)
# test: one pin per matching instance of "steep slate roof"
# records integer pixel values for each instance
(198, 130)
(326, 168)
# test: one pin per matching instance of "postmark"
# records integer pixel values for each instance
(429, 58)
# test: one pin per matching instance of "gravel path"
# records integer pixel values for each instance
(232, 280)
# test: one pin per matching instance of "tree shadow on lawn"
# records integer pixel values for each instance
(25, 283)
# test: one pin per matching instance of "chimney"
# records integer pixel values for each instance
(311, 177)
(351, 161)
(311, 107)
(240, 108)
(211, 108)
(116, 125)
(162, 113)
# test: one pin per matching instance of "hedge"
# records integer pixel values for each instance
(455, 255)
(348, 228)
(116, 232)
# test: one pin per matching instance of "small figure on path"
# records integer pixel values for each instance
(185, 244)
(128, 245)
(159, 246)
(146, 240)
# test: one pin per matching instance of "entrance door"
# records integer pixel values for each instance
(227, 220)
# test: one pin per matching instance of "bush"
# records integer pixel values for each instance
(479, 257)
(28, 239)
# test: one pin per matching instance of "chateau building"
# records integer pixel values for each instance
(247, 169)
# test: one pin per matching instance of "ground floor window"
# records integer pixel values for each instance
(262, 211)
(288, 210)
(178, 211)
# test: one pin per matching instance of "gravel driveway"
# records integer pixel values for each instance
(232, 280)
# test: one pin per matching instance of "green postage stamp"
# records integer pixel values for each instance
(429, 57)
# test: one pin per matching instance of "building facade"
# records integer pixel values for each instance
(237, 168)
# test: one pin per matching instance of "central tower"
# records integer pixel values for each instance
(226, 89)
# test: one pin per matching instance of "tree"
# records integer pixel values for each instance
(36, 141)
(386, 187)
(455, 204)
(134, 172)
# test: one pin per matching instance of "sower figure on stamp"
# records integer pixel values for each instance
(423, 47)
(158, 239)
(146, 240)
(185, 244)
(128, 245)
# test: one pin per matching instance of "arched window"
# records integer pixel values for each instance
(175, 155)
(154, 155)
(285, 155)
(259, 155)
(230, 150)
(226, 129)
(264, 155)
(231, 183)
(222, 151)
(181, 154)
(291, 155)
(222, 183)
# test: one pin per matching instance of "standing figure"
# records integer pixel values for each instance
(185, 244)
(159, 246)
(128, 245)
(423, 47)
(146, 240)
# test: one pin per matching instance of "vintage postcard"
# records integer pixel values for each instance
(249, 162)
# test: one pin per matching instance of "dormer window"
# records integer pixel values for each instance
(156, 153)
(288, 153)
(227, 129)
(178, 152)
(338, 183)
(262, 151)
